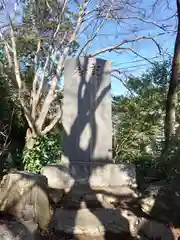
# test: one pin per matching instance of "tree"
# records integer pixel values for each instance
(171, 102)
(139, 117)
(46, 25)
(29, 63)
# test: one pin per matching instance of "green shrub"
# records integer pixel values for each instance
(46, 150)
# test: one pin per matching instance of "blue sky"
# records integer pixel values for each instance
(112, 33)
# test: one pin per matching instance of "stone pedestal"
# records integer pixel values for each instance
(92, 182)
(95, 175)
(87, 173)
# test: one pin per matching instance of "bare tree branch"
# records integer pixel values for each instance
(139, 55)
(119, 45)
(16, 64)
(90, 22)
(6, 134)
(55, 120)
(50, 96)
(33, 93)
(90, 41)
(162, 27)
(119, 78)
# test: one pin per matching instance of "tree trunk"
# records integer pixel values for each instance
(171, 101)
(30, 139)
(170, 119)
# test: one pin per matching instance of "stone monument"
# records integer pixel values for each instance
(87, 141)
(87, 111)
(87, 173)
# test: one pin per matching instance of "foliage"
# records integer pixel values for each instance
(27, 35)
(36, 52)
(46, 150)
(11, 115)
(169, 161)
(172, 95)
(139, 126)
(139, 123)
(140, 116)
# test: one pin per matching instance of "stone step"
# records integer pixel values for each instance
(99, 222)
(82, 192)
(93, 223)
(80, 197)
(107, 236)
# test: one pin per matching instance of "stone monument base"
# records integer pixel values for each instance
(87, 209)
(98, 223)
(88, 181)
(90, 193)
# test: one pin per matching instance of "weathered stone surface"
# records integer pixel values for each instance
(56, 195)
(150, 229)
(13, 229)
(64, 176)
(87, 110)
(106, 183)
(162, 202)
(25, 196)
(92, 223)
(74, 181)
(112, 175)
(97, 222)
(97, 197)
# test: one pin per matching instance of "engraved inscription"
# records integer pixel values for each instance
(96, 70)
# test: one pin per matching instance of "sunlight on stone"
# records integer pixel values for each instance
(85, 137)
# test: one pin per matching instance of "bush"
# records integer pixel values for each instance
(163, 165)
(170, 160)
(46, 150)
